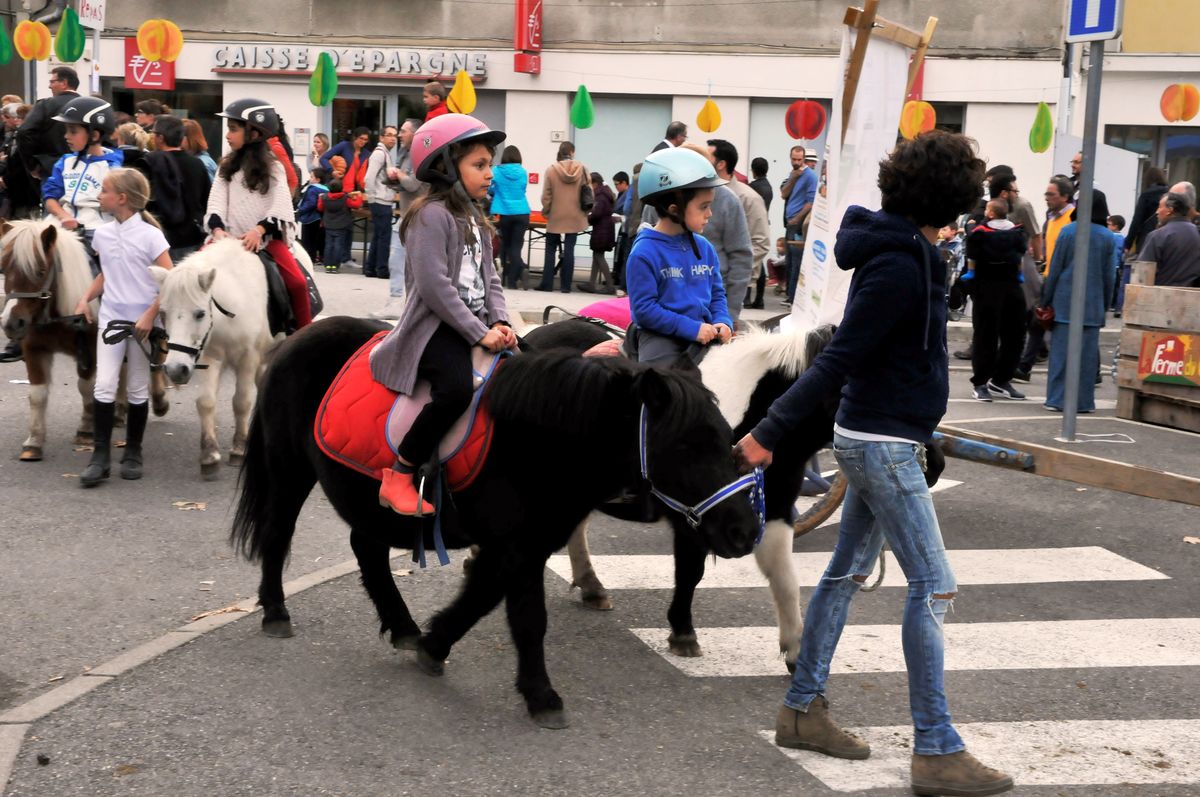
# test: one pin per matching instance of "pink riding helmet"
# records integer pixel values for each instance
(431, 144)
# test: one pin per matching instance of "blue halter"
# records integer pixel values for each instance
(752, 481)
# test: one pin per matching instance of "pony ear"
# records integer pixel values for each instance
(159, 273)
(206, 279)
(49, 236)
(653, 390)
(4, 228)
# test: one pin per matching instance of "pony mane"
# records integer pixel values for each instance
(733, 371)
(564, 392)
(75, 274)
(183, 281)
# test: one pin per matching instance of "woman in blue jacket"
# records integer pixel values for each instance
(510, 204)
(1103, 258)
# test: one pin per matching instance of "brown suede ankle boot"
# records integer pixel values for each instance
(956, 775)
(815, 730)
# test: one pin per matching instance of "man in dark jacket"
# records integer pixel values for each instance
(179, 188)
(994, 253)
(888, 359)
(40, 139)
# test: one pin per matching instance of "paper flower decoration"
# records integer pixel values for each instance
(1180, 102)
(323, 85)
(1042, 132)
(6, 48)
(69, 41)
(32, 40)
(462, 97)
(917, 117)
(805, 119)
(159, 40)
(583, 113)
(709, 118)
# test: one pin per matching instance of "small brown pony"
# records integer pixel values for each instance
(46, 273)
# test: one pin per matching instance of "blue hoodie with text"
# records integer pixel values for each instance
(888, 355)
(671, 291)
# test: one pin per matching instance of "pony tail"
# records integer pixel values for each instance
(148, 217)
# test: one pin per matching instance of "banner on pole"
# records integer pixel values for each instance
(851, 174)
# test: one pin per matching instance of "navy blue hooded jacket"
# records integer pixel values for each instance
(888, 355)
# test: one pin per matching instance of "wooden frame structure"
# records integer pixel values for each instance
(868, 23)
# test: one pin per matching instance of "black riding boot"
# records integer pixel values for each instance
(98, 467)
(135, 429)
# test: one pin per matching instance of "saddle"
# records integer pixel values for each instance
(361, 422)
(279, 303)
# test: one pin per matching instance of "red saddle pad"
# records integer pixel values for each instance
(351, 426)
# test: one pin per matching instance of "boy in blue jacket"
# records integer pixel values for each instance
(308, 215)
(888, 360)
(673, 275)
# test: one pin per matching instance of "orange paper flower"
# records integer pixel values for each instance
(32, 40)
(159, 40)
(1180, 102)
(916, 118)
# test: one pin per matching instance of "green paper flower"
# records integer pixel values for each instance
(583, 113)
(6, 48)
(1042, 132)
(69, 41)
(323, 85)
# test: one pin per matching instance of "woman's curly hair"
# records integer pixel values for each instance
(932, 179)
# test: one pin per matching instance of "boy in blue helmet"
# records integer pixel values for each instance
(673, 275)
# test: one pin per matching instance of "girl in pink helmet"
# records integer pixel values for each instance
(454, 299)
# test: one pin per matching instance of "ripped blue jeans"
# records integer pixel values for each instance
(886, 499)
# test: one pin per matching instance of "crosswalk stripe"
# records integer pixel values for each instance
(836, 516)
(984, 566)
(1024, 645)
(1048, 753)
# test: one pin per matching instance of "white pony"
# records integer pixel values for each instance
(214, 307)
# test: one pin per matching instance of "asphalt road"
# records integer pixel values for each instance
(85, 576)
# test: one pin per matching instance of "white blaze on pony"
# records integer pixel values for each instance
(214, 309)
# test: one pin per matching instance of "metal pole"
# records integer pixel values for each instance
(1083, 234)
(1065, 100)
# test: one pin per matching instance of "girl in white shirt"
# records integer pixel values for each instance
(127, 246)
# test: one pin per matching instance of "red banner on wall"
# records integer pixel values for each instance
(527, 29)
(143, 74)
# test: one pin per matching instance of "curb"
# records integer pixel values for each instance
(16, 722)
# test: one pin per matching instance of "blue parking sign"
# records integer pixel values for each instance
(1094, 20)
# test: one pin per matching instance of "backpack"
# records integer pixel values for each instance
(166, 183)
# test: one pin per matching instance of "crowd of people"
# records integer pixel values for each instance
(1019, 274)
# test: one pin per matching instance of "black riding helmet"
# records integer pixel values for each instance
(90, 112)
(259, 114)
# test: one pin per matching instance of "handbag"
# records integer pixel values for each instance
(1044, 316)
(587, 198)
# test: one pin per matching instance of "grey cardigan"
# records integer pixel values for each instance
(434, 254)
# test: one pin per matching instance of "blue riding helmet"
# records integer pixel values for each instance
(675, 169)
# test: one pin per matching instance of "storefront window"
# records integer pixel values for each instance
(351, 113)
(1182, 155)
(201, 100)
(1135, 138)
(950, 116)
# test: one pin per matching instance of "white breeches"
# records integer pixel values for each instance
(108, 371)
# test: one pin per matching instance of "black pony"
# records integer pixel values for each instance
(574, 420)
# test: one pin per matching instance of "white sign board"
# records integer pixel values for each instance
(1094, 20)
(852, 175)
(91, 14)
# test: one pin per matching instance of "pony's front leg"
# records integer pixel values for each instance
(689, 569)
(243, 403)
(593, 593)
(526, 609)
(37, 367)
(480, 594)
(394, 618)
(774, 558)
(206, 407)
(85, 434)
(158, 393)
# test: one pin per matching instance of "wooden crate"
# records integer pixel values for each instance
(1152, 308)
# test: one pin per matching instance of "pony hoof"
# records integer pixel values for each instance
(84, 438)
(598, 601)
(791, 666)
(428, 664)
(279, 629)
(406, 642)
(235, 459)
(684, 645)
(160, 408)
(31, 454)
(553, 719)
(210, 471)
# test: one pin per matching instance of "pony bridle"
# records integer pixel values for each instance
(752, 481)
(44, 295)
(195, 351)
